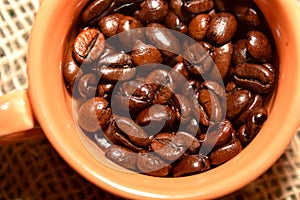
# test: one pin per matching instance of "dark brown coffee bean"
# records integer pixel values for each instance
(222, 28)
(256, 120)
(102, 142)
(151, 164)
(254, 77)
(157, 116)
(191, 164)
(164, 85)
(71, 71)
(130, 31)
(201, 114)
(211, 105)
(96, 8)
(131, 130)
(145, 54)
(215, 87)
(179, 73)
(176, 6)
(240, 52)
(198, 26)
(167, 147)
(189, 140)
(116, 74)
(255, 101)
(163, 39)
(237, 102)
(184, 106)
(259, 46)
(172, 21)
(88, 45)
(87, 85)
(218, 134)
(116, 60)
(122, 156)
(109, 24)
(94, 114)
(223, 57)
(152, 11)
(105, 89)
(225, 152)
(247, 15)
(198, 6)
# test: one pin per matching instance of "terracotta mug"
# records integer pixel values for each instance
(51, 108)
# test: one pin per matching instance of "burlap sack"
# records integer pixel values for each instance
(33, 170)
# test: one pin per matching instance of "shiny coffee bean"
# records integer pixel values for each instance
(157, 116)
(198, 6)
(225, 152)
(145, 54)
(96, 8)
(122, 156)
(152, 11)
(114, 74)
(247, 15)
(179, 73)
(109, 24)
(254, 77)
(184, 106)
(218, 134)
(71, 71)
(172, 21)
(88, 45)
(223, 57)
(191, 164)
(163, 39)
(257, 118)
(201, 114)
(211, 105)
(215, 87)
(87, 85)
(150, 164)
(176, 6)
(222, 28)
(94, 114)
(237, 102)
(240, 52)
(259, 46)
(105, 89)
(198, 26)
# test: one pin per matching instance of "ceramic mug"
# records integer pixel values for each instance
(50, 103)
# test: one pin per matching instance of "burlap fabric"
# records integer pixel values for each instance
(33, 170)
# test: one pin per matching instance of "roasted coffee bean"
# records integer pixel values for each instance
(168, 147)
(176, 6)
(116, 60)
(172, 21)
(257, 118)
(157, 116)
(255, 101)
(129, 31)
(237, 102)
(115, 74)
(247, 15)
(225, 152)
(71, 71)
(198, 6)
(223, 57)
(215, 87)
(163, 39)
(122, 156)
(198, 26)
(184, 106)
(254, 77)
(164, 85)
(105, 89)
(259, 46)
(102, 142)
(96, 8)
(201, 114)
(145, 54)
(222, 28)
(240, 52)
(191, 164)
(109, 24)
(88, 45)
(87, 85)
(134, 95)
(94, 114)
(150, 164)
(152, 11)
(211, 105)
(179, 73)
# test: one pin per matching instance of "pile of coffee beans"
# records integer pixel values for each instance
(171, 88)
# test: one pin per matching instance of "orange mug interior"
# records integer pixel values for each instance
(51, 105)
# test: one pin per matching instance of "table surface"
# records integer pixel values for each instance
(34, 170)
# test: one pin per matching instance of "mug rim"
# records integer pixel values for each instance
(46, 110)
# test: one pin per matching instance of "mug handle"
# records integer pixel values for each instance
(17, 122)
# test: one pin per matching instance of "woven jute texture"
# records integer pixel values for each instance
(33, 170)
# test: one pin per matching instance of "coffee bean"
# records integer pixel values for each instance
(198, 6)
(87, 85)
(240, 52)
(172, 21)
(198, 26)
(223, 56)
(94, 114)
(259, 46)
(109, 24)
(247, 15)
(95, 9)
(191, 164)
(257, 78)
(152, 11)
(88, 45)
(222, 28)
(237, 101)
(122, 156)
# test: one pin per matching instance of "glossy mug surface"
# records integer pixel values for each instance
(51, 107)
